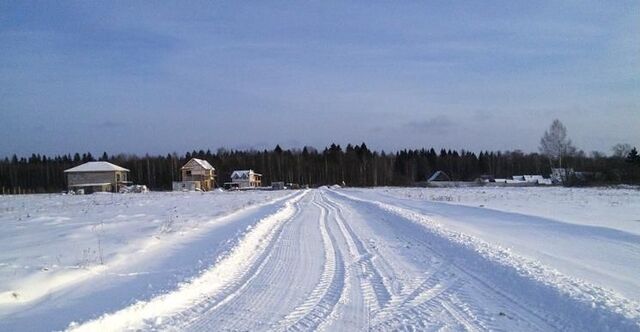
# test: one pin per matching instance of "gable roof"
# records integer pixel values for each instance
(203, 163)
(243, 174)
(96, 166)
(439, 176)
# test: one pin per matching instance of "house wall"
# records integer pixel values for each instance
(186, 186)
(196, 176)
(253, 180)
(93, 189)
(206, 177)
(79, 178)
(197, 171)
(256, 181)
(242, 183)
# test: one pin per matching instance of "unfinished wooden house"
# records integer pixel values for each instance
(196, 174)
(96, 176)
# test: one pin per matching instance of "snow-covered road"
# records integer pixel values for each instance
(353, 260)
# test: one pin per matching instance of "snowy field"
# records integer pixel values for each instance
(511, 259)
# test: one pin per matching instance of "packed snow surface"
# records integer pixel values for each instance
(336, 259)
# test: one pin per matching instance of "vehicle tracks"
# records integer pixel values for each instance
(319, 305)
(339, 263)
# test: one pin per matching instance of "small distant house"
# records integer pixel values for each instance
(244, 179)
(528, 178)
(487, 178)
(439, 176)
(292, 185)
(196, 174)
(277, 185)
(546, 182)
(97, 176)
(561, 175)
(186, 186)
(533, 178)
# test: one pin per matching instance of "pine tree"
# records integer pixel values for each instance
(633, 157)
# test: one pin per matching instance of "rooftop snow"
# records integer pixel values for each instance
(243, 173)
(96, 166)
(205, 164)
(90, 184)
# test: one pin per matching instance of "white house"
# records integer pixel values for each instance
(528, 178)
(245, 179)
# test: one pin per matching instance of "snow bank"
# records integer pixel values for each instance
(151, 314)
(608, 207)
(51, 242)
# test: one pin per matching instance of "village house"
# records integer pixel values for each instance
(96, 176)
(244, 179)
(196, 174)
(527, 178)
(439, 176)
(561, 175)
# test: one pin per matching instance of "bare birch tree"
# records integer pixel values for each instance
(554, 143)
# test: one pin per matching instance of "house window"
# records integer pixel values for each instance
(188, 173)
(118, 177)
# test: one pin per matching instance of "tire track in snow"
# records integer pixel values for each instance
(320, 303)
(424, 295)
(372, 284)
(273, 288)
(444, 288)
(350, 308)
(428, 278)
(573, 289)
(198, 318)
(381, 303)
(449, 293)
(413, 310)
(157, 312)
(418, 308)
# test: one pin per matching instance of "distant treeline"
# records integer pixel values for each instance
(355, 165)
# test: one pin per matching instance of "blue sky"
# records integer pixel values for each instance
(143, 77)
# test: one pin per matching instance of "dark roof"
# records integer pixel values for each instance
(439, 176)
